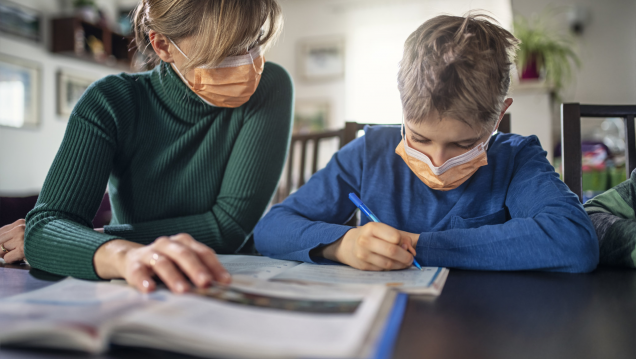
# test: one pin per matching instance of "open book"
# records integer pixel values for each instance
(272, 309)
(430, 280)
(251, 318)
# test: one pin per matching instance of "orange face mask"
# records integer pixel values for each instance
(230, 83)
(448, 176)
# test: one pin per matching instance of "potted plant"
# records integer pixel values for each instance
(543, 53)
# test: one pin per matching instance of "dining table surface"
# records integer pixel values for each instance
(479, 314)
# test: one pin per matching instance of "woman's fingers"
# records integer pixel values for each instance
(207, 256)
(141, 277)
(13, 230)
(15, 247)
(186, 259)
(12, 245)
(10, 226)
(165, 269)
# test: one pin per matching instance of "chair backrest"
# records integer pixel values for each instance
(14, 208)
(571, 155)
(504, 125)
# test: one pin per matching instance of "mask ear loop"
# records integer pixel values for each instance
(182, 53)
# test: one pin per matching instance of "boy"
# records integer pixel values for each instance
(443, 185)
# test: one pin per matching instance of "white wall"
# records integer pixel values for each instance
(26, 155)
(374, 32)
(607, 49)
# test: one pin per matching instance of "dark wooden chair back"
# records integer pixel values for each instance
(504, 125)
(14, 208)
(571, 114)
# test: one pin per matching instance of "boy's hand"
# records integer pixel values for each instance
(374, 246)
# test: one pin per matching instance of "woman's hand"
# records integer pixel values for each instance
(374, 246)
(12, 241)
(169, 258)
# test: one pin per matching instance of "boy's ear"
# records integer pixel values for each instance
(507, 103)
(161, 45)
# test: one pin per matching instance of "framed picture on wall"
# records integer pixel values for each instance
(70, 87)
(310, 116)
(18, 20)
(19, 92)
(321, 59)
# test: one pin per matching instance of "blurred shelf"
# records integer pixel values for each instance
(79, 39)
(530, 86)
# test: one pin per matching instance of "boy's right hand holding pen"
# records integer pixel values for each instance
(374, 247)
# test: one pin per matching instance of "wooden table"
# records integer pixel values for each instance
(479, 315)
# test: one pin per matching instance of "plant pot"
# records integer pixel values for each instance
(531, 70)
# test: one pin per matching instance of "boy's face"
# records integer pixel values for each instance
(444, 139)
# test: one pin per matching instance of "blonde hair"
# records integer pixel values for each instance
(221, 28)
(457, 67)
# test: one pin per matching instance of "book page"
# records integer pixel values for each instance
(70, 314)
(249, 326)
(254, 266)
(341, 274)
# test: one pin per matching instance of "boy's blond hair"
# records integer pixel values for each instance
(457, 67)
(220, 28)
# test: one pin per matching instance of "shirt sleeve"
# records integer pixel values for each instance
(59, 236)
(612, 214)
(250, 177)
(314, 215)
(548, 230)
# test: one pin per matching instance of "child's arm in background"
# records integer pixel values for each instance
(612, 214)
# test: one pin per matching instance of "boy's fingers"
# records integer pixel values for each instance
(386, 233)
(383, 263)
(390, 251)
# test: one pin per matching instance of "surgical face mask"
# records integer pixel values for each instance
(451, 174)
(230, 83)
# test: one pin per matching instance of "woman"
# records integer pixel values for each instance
(194, 146)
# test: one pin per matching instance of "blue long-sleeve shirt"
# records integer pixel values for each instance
(513, 214)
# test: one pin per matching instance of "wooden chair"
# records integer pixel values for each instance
(571, 114)
(14, 208)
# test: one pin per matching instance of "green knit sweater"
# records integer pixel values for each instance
(173, 164)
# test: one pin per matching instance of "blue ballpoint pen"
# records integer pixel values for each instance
(371, 216)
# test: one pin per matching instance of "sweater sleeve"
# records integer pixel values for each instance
(250, 177)
(612, 214)
(548, 229)
(59, 236)
(315, 214)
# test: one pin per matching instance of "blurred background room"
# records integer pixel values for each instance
(343, 56)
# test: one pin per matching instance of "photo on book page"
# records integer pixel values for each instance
(237, 296)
